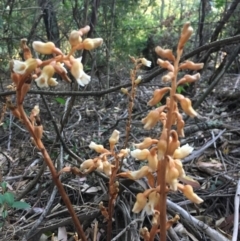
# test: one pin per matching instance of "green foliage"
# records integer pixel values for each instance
(60, 100)
(7, 201)
(219, 3)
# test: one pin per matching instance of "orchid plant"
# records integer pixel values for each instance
(42, 72)
(164, 168)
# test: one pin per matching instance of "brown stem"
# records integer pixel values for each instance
(162, 164)
(50, 164)
(112, 198)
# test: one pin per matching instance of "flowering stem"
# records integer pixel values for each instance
(50, 164)
(161, 172)
(112, 197)
(130, 105)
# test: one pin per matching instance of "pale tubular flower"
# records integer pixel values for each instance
(153, 159)
(74, 38)
(147, 142)
(151, 119)
(140, 154)
(168, 77)
(26, 67)
(138, 80)
(189, 193)
(140, 203)
(158, 95)
(179, 166)
(107, 168)
(182, 151)
(124, 152)
(135, 175)
(52, 82)
(114, 139)
(97, 148)
(191, 65)
(46, 48)
(165, 64)
(185, 35)
(189, 79)
(172, 175)
(153, 201)
(146, 62)
(87, 164)
(186, 105)
(45, 76)
(77, 71)
(174, 143)
(165, 53)
(92, 43)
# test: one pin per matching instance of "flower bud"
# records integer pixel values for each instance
(90, 44)
(146, 62)
(140, 154)
(191, 65)
(46, 48)
(186, 34)
(182, 151)
(147, 142)
(26, 51)
(113, 139)
(189, 194)
(140, 203)
(135, 175)
(165, 53)
(97, 148)
(168, 77)
(138, 80)
(189, 79)
(124, 91)
(186, 105)
(165, 64)
(74, 38)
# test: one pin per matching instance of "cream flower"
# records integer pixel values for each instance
(45, 79)
(182, 151)
(146, 62)
(77, 71)
(26, 67)
(140, 154)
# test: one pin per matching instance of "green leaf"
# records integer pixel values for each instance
(1, 199)
(9, 198)
(4, 214)
(20, 205)
(60, 100)
(180, 89)
(4, 186)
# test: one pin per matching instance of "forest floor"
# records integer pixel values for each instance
(214, 163)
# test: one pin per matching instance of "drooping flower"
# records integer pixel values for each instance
(186, 105)
(146, 62)
(92, 43)
(97, 148)
(77, 71)
(113, 139)
(182, 151)
(140, 154)
(45, 79)
(147, 142)
(158, 95)
(26, 67)
(189, 193)
(46, 48)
